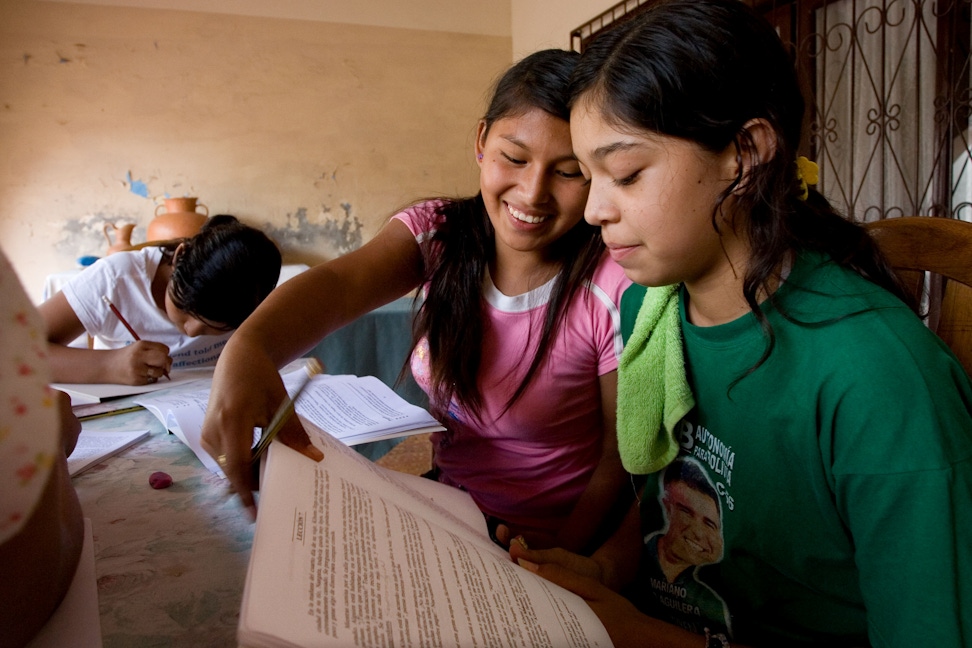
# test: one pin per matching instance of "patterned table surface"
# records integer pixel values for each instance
(170, 563)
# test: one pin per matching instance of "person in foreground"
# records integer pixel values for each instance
(516, 341)
(832, 427)
(41, 525)
(183, 299)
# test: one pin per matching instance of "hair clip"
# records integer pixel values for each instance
(808, 173)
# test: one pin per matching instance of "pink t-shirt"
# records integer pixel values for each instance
(530, 465)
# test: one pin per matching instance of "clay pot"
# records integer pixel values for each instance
(179, 220)
(123, 237)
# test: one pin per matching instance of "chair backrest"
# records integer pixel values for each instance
(915, 245)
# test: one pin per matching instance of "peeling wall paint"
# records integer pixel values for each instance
(341, 235)
(137, 187)
(329, 234)
(86, 236)
(314, 132)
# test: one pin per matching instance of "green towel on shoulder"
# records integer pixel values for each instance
(653, 391)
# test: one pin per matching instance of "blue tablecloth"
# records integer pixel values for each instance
(376, 344)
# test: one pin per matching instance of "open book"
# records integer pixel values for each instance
(95, 446)
(355, 409)
(346, 553)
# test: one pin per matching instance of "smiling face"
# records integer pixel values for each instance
(530, 181)
(694, 535)
(654, 197)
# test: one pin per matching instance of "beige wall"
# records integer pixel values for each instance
(312, 130)
(539, 24)
(463, 16)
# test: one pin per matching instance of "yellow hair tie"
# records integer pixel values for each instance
(808, 173)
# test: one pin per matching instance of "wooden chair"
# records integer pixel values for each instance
(916, 245)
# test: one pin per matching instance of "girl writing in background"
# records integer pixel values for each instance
(819, 491)
(517, 338)
(183, 300)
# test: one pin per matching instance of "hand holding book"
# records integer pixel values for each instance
(247, 388)
(284, 412)
(348, 553)
(353, 409)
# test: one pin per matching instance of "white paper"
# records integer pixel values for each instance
(182, 412)
(94, 447)
(76, 622)
(88, 393)
(346, 553)
(355, 409)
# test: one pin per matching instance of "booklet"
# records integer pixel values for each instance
(90, 393)
(354, 409)
(94, 447)
(346, 553)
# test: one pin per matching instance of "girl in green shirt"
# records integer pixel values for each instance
(832, 427)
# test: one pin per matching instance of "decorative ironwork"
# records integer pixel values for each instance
(889, 122)
(885, 127)
(581, 36)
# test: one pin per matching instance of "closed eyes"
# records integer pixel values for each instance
(562, 173)
(629, 180)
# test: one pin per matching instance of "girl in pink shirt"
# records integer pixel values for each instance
(517, 337)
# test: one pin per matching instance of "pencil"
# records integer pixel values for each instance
(283, 412)
(121, 318)
(123, 410)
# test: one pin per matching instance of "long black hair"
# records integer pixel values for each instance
(700, 70)
(452, 314)
(222, 273)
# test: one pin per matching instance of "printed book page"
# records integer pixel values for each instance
(355, 409)
(94, 447)
(182, 412)
(346, 553)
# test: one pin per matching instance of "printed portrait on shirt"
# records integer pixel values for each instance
(690, 538)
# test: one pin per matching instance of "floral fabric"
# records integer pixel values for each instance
(29, 426)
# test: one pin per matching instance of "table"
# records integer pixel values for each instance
(171, 563)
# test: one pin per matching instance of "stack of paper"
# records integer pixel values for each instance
(353, 409)
(359, 409)
(90, 393)
(93, 447)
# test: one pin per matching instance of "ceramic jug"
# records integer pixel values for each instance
(179, 220)
(123, 237)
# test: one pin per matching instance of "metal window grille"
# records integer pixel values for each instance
(889, 104)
